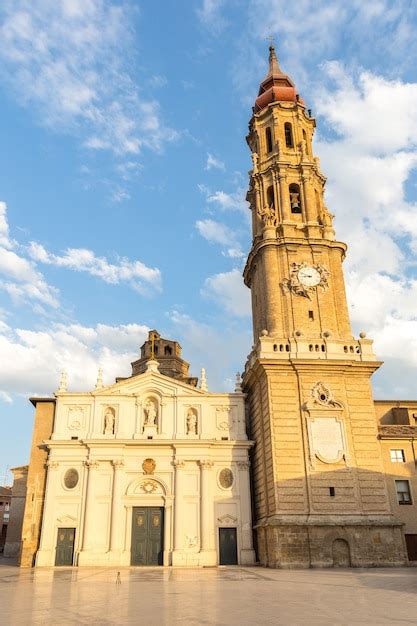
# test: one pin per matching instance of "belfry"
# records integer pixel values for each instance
(319, 487)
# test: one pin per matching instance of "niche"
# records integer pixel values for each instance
(268, 137)
(288, 135)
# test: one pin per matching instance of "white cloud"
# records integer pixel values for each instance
(5, 397)
(234, 201)
(67, 61)
(210, 15)
(135, 273)
(368, 164)
(222, 350)
(213, 163)
(32, 360)
(217, 232)
(228, 291)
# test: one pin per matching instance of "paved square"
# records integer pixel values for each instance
(221, 596)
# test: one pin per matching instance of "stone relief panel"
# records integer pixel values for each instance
(77, 417)
(224, 418)
(71, 478)
(327, 439)
(226, 478)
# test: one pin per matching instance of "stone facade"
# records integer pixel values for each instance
(148, 442)
(319, 486)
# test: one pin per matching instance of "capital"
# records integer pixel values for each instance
(179, 464)
(206, 464)
(52, 465)
(92, 465)
(118, 464)
(243, 465)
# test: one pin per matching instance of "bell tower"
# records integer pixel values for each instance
(319, 488)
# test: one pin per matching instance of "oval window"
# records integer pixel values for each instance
(71, 478)
(226, 478)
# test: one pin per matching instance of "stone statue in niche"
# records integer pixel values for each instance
(191, 422)
(109, 421)
(151, 413)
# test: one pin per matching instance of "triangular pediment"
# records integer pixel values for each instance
(146, 382)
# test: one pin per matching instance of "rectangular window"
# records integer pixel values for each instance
(397, 456)
(332, 491)
(311, 315)
(403, 492)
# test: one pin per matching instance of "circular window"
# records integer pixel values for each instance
(71, 478)
(226, 478)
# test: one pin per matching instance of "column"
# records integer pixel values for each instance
(308, 208)
(45, 554)
(284, 197)
(247, 553)
(272, 292)
(89, 529)
(206, 505)
(178, 505)
(167, 530)
(116, 504)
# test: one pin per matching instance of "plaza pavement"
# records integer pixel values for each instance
(222, 596)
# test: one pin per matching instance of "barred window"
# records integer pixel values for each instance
(403, 492)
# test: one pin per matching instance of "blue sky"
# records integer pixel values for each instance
(124, 172)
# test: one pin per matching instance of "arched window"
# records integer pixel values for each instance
(268, 137)
(270, 200)
(167, 350)
(295, 199)
(288, 135)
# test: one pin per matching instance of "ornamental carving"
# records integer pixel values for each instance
(149, 486)
(323, 395)
(148, 466)
(304, 279)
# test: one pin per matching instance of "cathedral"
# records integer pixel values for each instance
(297, 467)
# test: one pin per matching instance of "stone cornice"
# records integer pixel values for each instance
(397, 431)
(286, 241)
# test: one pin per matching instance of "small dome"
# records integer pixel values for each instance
(276, 86)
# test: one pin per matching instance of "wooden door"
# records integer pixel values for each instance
(147, 535)
(228, 546)
(65, 546)
(411, 542)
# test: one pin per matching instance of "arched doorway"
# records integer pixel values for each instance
(148, 529)
(341, 553)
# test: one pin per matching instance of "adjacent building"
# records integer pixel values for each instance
(5, 499)
(17, 508)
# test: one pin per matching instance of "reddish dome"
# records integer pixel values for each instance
(276, 86)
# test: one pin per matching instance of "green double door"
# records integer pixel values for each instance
(147, 535)
(64, 554)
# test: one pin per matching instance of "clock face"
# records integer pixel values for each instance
(309, 276)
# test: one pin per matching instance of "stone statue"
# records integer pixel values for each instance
(109, 422)
(268, 216)
(255, 162)
(151, 413)
(191, 423)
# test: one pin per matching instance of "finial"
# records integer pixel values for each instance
(63, 383)
(99, 382)
(238, 386)
(203, 380)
